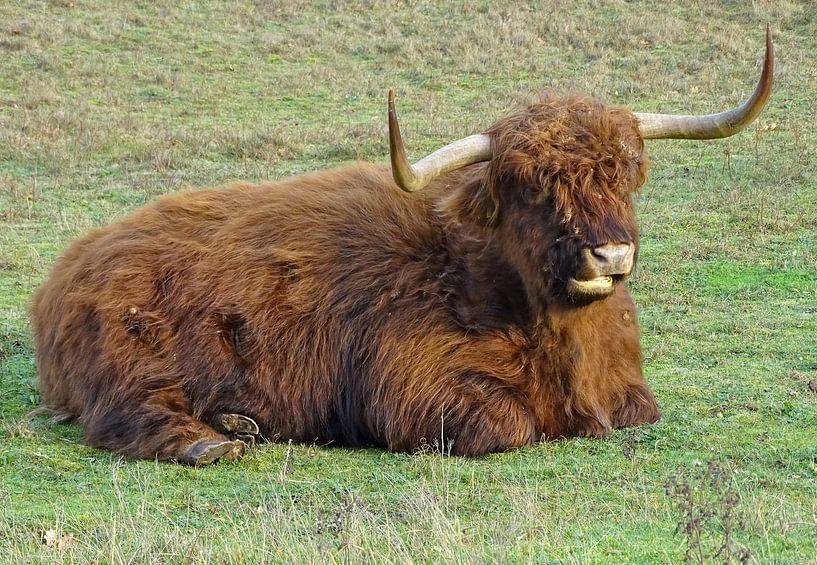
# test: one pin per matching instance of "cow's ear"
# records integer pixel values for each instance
(474, 202)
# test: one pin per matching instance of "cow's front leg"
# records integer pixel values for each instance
(636, 406)
(470, 415)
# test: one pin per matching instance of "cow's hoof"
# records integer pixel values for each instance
(206, 451)
(236, 424)
(239, 428)
(237, 452)
(247, 439)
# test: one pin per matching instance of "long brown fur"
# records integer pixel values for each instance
(333, 308)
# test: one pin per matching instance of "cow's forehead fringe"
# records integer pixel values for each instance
(574, 144)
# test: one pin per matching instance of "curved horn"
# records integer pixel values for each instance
(713, 126)
(455, 155)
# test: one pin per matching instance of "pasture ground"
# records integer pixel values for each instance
(105, 105)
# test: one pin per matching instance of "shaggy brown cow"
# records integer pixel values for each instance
(485, 312)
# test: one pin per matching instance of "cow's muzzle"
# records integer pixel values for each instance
(599, 268)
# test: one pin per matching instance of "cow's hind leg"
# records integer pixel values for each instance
(157, 425)
(206, 451)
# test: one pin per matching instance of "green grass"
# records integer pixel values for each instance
(105, 105)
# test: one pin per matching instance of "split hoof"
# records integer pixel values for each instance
(247, 439)
(239, 428)
(206, 451)
(236, 424)
(237, 452)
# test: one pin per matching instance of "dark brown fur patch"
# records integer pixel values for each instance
(234, 333)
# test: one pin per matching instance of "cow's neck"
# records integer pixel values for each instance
(563, 341)
(484, 291)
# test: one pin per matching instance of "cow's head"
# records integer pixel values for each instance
(557, 190)
(561, 181)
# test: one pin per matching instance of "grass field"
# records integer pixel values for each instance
(105, 105)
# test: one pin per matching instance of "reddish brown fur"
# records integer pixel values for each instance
(331, 307)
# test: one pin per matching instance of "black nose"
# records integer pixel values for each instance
(611, 259)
